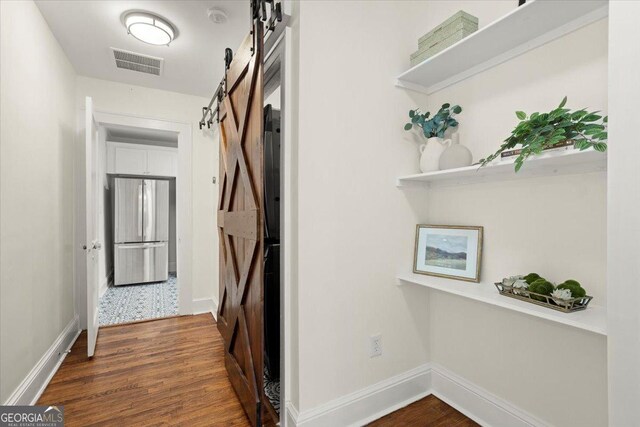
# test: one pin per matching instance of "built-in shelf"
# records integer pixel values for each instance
(527, 27)
(568, 162)
(593, 319)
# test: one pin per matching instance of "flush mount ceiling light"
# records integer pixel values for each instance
(149, 28)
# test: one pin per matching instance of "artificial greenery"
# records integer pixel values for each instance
(436, 125)
(541, 286)
(542, 130)
(531, 277)
(577, 291)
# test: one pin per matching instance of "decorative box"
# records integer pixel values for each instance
(461, 21)
(444, 35)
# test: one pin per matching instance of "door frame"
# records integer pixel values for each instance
(280, 54)
(184, 219)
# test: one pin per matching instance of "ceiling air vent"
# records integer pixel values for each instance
(137, 62)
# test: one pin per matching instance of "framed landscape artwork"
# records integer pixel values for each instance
(448, 251)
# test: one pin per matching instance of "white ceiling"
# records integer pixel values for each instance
(193, 63)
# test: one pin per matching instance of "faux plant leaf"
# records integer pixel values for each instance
(518, 165)
(521, 115)
(408, 126)
(412, 113)
(600, 146)
(578, 114)
(445, 106)
(563, 103)
(457, 109)
(591, 118)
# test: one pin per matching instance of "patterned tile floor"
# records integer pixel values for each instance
(272, 390)
(122, 304)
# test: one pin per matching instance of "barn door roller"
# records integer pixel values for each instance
(270, 16)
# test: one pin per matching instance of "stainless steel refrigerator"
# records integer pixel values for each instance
(141, 230)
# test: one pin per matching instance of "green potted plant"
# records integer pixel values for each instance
(433, 129)
(541, 131)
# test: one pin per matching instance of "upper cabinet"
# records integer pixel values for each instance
(137, 159)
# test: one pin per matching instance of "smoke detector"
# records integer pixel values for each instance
(217, 15)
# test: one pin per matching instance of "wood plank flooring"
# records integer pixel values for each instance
(427, 412)
(171, 372)
(164, 372)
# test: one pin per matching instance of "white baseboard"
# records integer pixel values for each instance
(477, 403)
(205, 305)
(105, 285)
(371, 403)
(368, 404)
(31, 388)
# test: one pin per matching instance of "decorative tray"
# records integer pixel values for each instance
(566, 306)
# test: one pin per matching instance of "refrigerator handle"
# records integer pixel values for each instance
(140, 204)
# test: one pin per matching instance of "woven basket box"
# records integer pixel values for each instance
(451, 31)
(420, 55)
(461, 21)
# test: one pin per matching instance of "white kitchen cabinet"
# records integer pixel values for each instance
(138, 159)
(130, 161)
(162, 162)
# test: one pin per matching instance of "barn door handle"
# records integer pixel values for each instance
(228, 57)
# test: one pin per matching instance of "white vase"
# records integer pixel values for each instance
(455, 155)
(431, 151)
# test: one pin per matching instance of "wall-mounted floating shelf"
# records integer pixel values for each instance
(568, 162)
(527, 27)
(593, 319)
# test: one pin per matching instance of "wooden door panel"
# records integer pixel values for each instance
(240, 313)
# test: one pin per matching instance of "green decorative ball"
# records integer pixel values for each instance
(531, 277)
(577, 291)
(541, 286)
(572, 282)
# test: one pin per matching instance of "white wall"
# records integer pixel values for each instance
(121, 98)
(36, 191)
(355, 229)
(624, 226)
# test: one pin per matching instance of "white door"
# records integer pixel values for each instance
(92, 244)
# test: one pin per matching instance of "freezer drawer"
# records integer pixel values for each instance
(140, 263)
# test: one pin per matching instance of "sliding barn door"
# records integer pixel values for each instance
(240, 318)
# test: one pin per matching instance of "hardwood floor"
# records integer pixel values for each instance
(427, 412)
(171, 372)
(164, 372)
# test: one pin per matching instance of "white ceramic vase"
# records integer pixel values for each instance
(430, 153)
(455, 155)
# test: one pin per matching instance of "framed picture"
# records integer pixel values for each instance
(448, 251)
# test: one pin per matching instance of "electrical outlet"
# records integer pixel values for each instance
(375, 345)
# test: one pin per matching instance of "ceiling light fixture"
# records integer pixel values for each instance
(149, 28)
